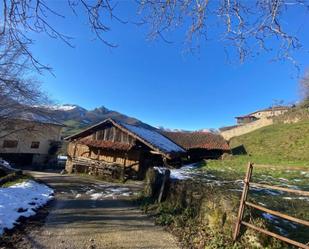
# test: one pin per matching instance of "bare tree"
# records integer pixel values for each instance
(20, 94)
(246, 26)
(249, 27)
(22, 18)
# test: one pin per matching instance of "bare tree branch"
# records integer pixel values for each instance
(246, 26)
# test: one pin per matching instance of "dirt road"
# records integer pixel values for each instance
(88, 213)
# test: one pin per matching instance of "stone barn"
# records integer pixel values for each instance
(200, 145)
(115, 149)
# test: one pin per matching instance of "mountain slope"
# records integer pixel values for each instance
(77, 118)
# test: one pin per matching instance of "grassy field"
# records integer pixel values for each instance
(280, 151)
(235, 168)
(278, 144)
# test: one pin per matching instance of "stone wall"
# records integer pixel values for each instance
(204, 216)
(246, 128)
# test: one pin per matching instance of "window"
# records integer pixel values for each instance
(10, 143)
(35, 145)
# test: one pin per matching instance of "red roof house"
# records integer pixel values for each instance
(200, 145)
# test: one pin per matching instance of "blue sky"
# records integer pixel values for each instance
(157, 82)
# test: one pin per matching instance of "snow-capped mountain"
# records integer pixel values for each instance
(65, 107)
(77, 118)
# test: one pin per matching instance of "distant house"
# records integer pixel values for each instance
(262, 114)
(116, 149)
(200, 145)
(28, 138)
(245, 119)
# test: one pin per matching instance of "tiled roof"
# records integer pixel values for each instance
(274, 108)
(29, 115)
(194, 140)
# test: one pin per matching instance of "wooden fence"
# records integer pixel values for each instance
(244, 203)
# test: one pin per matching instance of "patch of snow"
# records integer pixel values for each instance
(161, 170)
(305, 173)
(118, 190)
(281, 230)
(270, 217)
(183, 173)
(96, 196)
(21, 199)
(6, 164)
(302, 198)
(109, 192)
(61, 157)
(64, 107)
(262, 204)
(90, 191)
(287, 198)
(283, 179)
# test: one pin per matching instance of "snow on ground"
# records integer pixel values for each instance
(109, 192)
(6, 164)
(182, 173)
(62, 157)
(21, 199)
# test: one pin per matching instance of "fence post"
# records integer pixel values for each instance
(242, 200)
(163, 185)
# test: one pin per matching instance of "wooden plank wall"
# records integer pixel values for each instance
(112, 134)
(120, 157)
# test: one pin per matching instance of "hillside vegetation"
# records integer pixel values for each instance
(276, 144)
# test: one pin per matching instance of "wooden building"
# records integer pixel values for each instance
(116, 149)
(200, 145)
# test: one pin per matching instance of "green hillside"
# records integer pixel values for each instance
(279, 150)
(72, 127)
(277, 144)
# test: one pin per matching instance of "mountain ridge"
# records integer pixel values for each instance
(77, 118)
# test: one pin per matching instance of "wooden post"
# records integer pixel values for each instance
(123, 170)
(75, 148)
(243, 200)
(165, 178)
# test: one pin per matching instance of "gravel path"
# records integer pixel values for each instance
(93, 214)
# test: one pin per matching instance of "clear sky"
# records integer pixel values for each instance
(159, 84)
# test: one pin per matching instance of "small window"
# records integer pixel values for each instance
(35, 145)
(10, 143)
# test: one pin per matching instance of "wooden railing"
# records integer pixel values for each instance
(244, 203)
